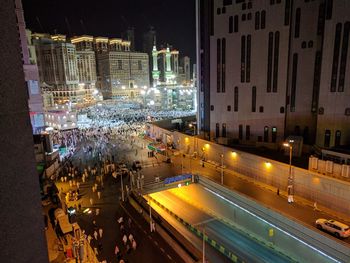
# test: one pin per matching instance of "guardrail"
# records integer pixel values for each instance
(216, 245)
(288, 231)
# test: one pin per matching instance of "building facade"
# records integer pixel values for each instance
(31, 73)
(265, 70)
(86, 65)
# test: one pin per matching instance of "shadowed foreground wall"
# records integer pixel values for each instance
(21, 222)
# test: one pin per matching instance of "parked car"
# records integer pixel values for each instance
(334, 227)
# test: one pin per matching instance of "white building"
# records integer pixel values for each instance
(61, 117)
(270, 69)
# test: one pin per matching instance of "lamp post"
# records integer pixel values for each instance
(194, 135)
(121, 183)
(290, 177)
(222, 168)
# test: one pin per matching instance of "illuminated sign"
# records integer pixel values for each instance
(177, 178)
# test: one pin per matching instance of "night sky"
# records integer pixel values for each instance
(173, 20)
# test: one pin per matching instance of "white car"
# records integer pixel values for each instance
(334, 227)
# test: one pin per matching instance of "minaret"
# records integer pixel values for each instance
(168, 72)
(155, 71)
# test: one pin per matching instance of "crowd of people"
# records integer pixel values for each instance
(104, 137)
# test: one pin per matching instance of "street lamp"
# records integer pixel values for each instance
(222, 168)
(290, 178)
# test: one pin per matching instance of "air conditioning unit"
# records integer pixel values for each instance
(345, 170)
(329, 167)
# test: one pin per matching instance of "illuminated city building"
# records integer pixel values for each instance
(271, 69)
(31, 73)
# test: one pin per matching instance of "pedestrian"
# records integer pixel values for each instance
(131, 238)
(278, 191)
(116, 251)
(97, 211)
(134, 244)
(89, 239)
(95, 250)
(129, 222)
(125, 240)
(315, 206)
(100, 231)
(99, 195)
(95, 235)
(78, 185)
(91, 201)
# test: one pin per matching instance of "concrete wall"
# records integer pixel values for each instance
(22, 223)
(327, 191)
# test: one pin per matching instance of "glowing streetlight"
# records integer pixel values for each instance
(290, 178)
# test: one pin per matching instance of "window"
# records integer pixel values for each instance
(217, 130)
(274, 134)
(236, 100)
(287, 13)
(343, 57)
(272, 2)
(218, 65)
(248, 58)
(297, 23)
(211, 107)
(329, 7)
(316, 82)
(275, 62)
(218, 11)
(321, 111)
(249, 16)
(230, 24)
(139, 65)
(244, 6)
(247, 132)
(310, 44)
(223, 65)
(240, 132)
(281, 109)
(336, 57)
(294, 82)
(257, 20)
(236, 23)
(227, 2)
(224, 130)
(321, 19)
(263, 19)
(337, 138)
(229, 108)
(253, 99)
(261, 109)
(243, 17)
(303, 44)
(250, 5)
(269, 62)
(327, 138)
(243, 58)
(266, 134)
(120, 64)
(223, 10)
(347, 112)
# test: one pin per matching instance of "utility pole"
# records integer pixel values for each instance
(222, 168)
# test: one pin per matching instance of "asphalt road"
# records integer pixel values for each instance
(245, 248)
